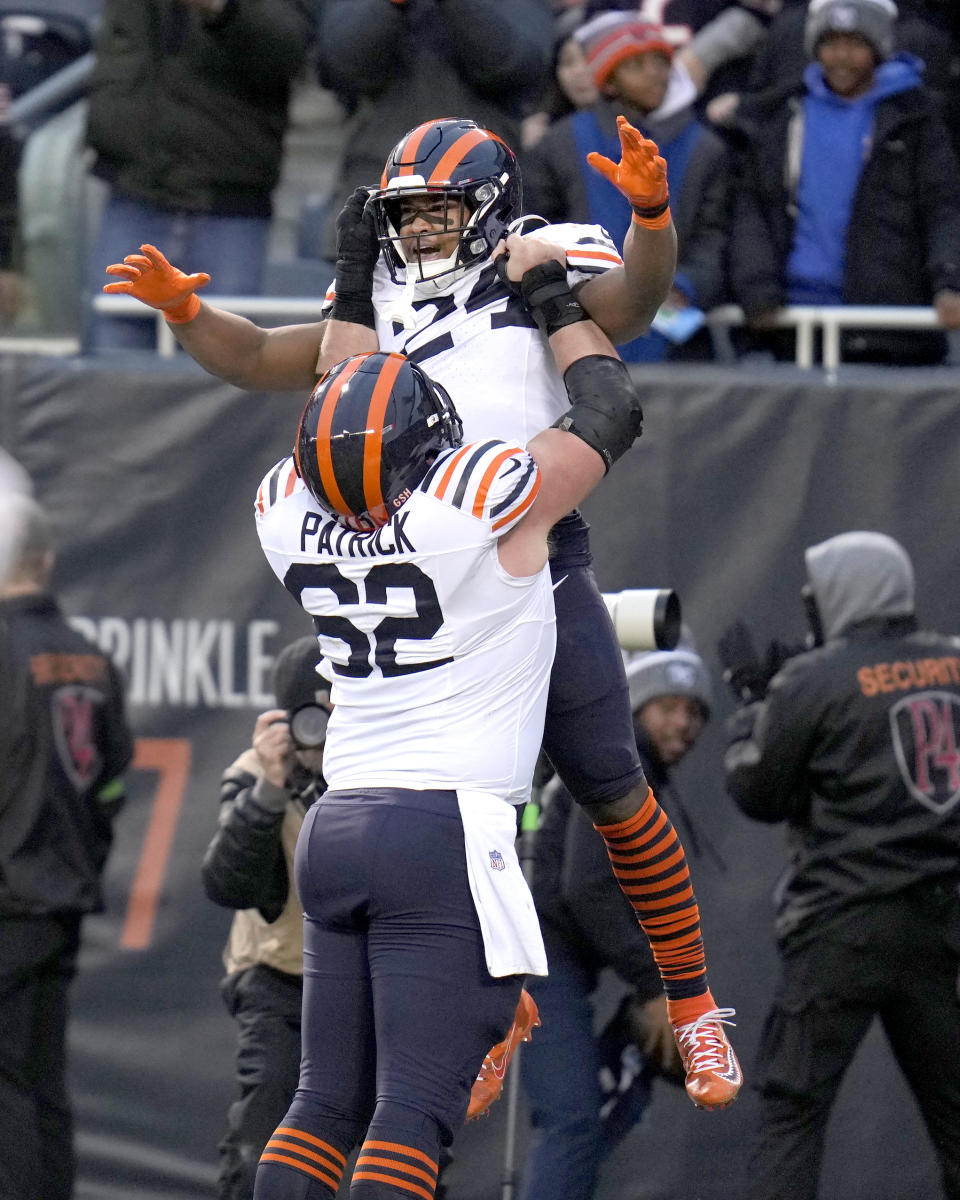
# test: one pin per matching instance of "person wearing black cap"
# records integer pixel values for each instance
(586, 1093)
(248, 866)
(849, 190)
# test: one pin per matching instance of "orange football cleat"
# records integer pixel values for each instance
(713, 1072)
(489, 1083)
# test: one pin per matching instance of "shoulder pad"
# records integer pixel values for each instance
(492, 481)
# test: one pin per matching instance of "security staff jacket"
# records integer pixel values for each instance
(857, 747)
(64, 743)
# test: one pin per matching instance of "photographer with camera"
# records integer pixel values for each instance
(854, 743)
(248, 866)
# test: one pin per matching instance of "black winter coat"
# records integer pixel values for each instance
(189, 112)
(64, 743)
(397, 65)
(244, 866)
(903, 242)
(854, 747)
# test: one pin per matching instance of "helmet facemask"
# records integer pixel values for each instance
(470, 212)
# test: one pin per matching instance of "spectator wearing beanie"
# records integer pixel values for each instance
(870, 19)
(849, 190)
(921, 27)
(633, 68)
(585, 1092)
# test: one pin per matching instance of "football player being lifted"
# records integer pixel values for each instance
(424, 267)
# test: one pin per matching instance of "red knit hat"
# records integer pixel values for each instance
(611, 37)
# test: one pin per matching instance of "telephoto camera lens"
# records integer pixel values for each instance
(645, 618)
(308, 726)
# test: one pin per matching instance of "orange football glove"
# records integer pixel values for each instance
(150, 278)
(641, 175)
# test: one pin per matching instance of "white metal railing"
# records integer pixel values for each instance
(56, 90)
(806, 320)
(831, 319)
(54, 345)
(299, 307)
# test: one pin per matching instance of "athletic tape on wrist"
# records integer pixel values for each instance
(654, 216)
(183, 312)
(353, 294)
(357, 312)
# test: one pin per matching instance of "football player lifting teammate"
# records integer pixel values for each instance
(429, 265)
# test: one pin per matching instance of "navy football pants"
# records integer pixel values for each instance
(589, 735)
(398, 1007)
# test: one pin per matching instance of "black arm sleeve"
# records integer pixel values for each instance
(604, 407)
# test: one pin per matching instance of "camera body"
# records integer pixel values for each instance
(746, 671)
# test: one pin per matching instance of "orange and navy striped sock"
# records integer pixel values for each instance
(651, 868)
(387, 1170)
(319, 1163)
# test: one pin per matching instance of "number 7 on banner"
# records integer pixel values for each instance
(170, 758)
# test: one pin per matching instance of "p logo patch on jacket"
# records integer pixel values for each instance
(73, 715)
(926, 741)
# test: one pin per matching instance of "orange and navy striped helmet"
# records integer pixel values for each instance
(370, 430)
(459, 159)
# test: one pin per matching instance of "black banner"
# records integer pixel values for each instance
(149, 475)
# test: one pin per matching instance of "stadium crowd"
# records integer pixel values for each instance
(782, 160)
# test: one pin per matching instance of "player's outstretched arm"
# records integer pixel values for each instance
(604, 416)
(624, 301)
(226, 345)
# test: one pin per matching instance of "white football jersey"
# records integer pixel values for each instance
(439, 660)
(481, 344)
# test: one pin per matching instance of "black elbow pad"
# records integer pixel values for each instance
(604, 407)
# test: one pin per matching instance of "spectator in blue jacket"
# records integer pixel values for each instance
(849, 190)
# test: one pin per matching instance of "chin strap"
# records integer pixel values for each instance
(419, 287)
(401, 310)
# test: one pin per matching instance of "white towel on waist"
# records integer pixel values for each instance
(512, 940)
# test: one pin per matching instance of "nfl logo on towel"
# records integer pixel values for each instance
(496, 860)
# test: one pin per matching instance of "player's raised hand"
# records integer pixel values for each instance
(641, 175)
(151, 279)
(358, 249)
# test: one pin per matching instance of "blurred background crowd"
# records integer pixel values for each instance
(230, 133)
